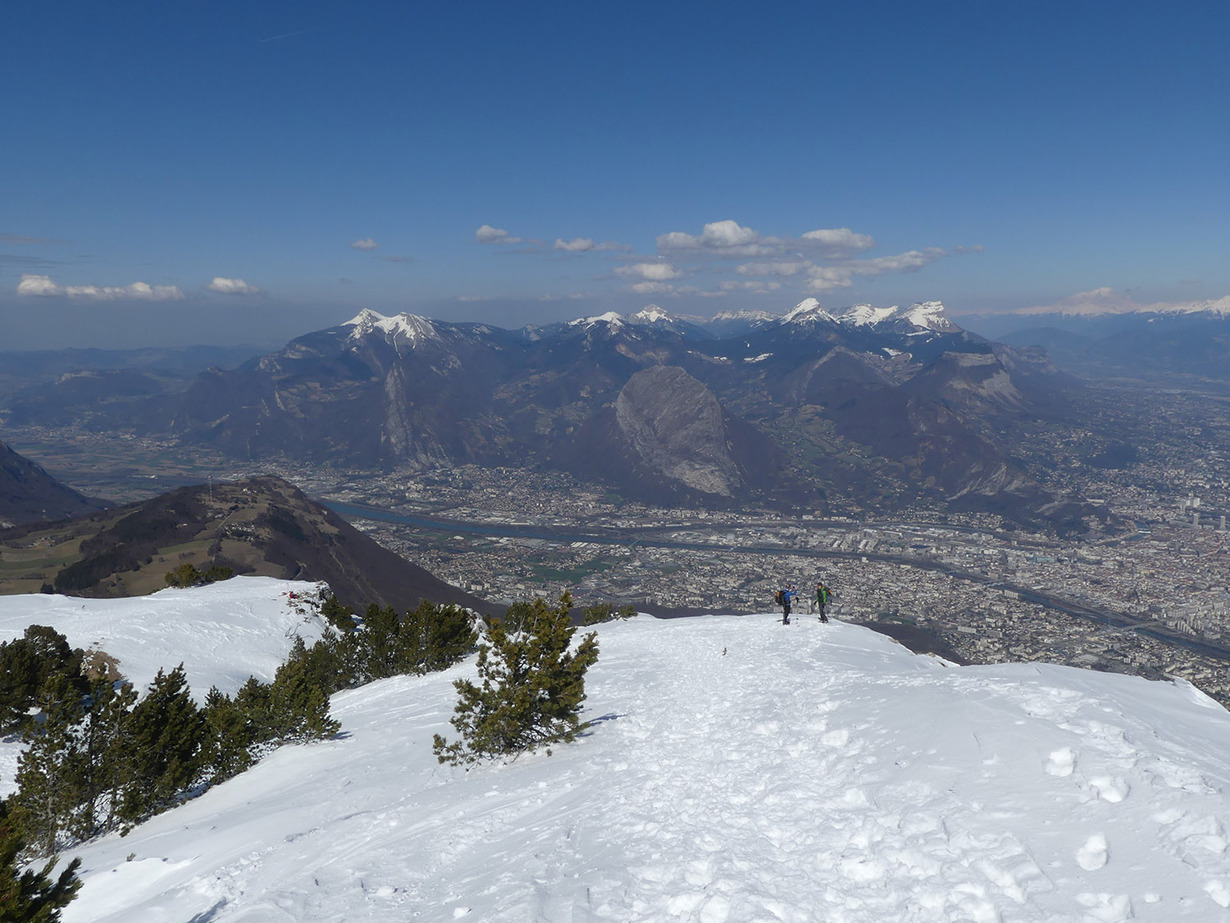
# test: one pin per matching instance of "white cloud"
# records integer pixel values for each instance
(489, 235)
(731, 240)
(576, 245)
(364, 243)
(38, 285)
(140, 291)
(722, 239)
(232, 287)
(827, 278)
(822, 279)
(840, 239)
(650, 272)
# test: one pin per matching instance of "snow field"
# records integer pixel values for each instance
(738, 770)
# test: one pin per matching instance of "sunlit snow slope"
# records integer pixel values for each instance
(738, 770)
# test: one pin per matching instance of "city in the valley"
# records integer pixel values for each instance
(1148, 597)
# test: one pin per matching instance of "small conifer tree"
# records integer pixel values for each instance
(48, 774)
(27, 663)
(340, 616)
(30, 896)
(532, 686)
(299, 703)
(105, 755)
(229, 737)
(167, 732)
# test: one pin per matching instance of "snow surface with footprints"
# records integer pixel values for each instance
(737, 770)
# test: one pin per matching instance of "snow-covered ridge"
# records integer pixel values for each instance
(745, 316)
(923, 317)
(1105, 301)
(737, 769)
(651, 314)
(610, 318)
(864, 315)
(400, 326)
(928, 315)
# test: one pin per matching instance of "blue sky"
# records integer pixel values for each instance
(244, 172)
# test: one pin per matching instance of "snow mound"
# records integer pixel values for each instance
(737, 769)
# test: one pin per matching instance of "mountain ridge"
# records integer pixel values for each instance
(262, 526)
(29, 494)
(381, 391)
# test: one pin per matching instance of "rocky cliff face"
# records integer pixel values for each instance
(675, 427)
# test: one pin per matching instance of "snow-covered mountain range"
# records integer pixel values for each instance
(737, 769)
(608, 398)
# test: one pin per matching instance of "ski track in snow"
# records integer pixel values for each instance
(737, 770)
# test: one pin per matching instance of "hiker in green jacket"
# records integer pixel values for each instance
(822, 599)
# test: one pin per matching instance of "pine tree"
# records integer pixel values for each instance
(104, 757)
(338, 615)
(30, 896)
(48, 771)
(435, 637)
(229, 737)
(378, 639)
(532, 686)
(167, 733)
(299, 704)
(26, 663)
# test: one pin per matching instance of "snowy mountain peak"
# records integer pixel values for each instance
(929, 315)
(610, 318)
(805, 312)
(651, 314)
(401, 326)
(865, 315)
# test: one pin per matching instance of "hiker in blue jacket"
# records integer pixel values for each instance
(785, 596)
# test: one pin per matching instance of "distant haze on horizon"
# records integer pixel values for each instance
(234, 173)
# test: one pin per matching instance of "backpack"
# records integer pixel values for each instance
(780, 597)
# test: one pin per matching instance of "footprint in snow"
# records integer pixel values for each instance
(1218, 891)
(1109, 789)
(1061, 762)
(1093, 855)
